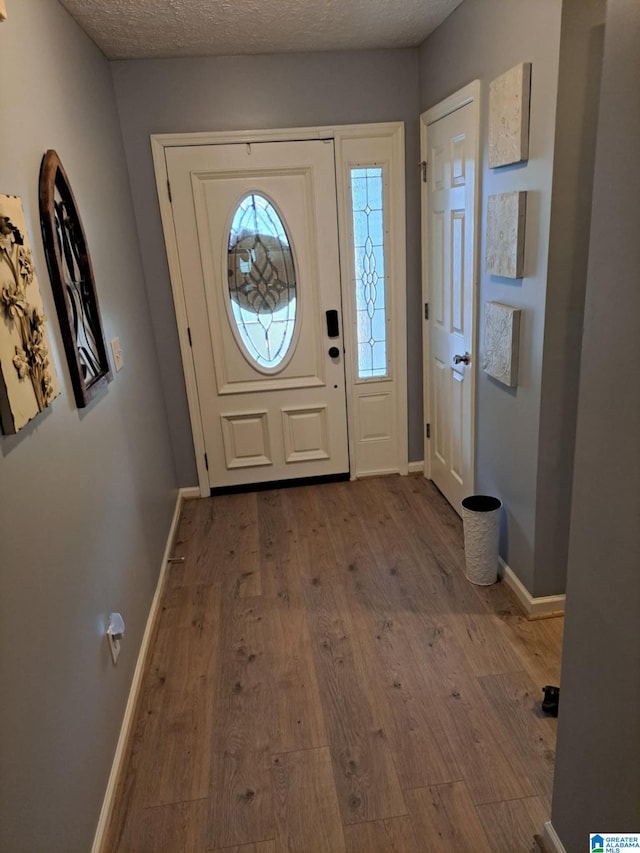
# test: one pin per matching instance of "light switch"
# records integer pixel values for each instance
(118, 363)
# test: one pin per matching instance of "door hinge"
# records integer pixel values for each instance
(423, 167)
(169, 191)
(189, 334)
(428, 430)
(426, 310)
(206, 461)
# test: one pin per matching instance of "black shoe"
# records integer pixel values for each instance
(551, 700)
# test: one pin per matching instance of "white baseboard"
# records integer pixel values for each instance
(551, 839)
(189, 493)
(548, 605)
(136, 683)
(376, 472)
(411, 468)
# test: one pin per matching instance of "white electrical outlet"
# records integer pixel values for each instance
(118, 362)
(114, 648)
(115, 630)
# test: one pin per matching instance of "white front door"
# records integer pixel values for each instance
(257, 237)
(449, 147)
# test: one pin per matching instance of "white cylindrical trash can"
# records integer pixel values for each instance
(480, 523)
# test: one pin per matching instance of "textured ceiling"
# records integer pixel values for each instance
(136, 29)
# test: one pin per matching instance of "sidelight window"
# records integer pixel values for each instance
(369, 275)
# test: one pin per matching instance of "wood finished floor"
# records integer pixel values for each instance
(324, 680)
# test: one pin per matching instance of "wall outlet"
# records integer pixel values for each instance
(118, 362)
(114, 648)
(115, 631)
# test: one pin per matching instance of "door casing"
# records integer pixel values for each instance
(469, 94)
(355, 144)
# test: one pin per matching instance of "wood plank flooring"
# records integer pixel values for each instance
(323, 679)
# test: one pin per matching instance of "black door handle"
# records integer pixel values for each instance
(334, 352)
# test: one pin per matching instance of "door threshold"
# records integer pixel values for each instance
(278, 484)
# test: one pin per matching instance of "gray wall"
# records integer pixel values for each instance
(246, 93)
(86, 497)
(482, 39)
(597, 783)
(581, 45)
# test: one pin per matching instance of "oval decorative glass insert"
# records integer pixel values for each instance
(262, 281)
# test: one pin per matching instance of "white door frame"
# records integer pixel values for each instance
(469, 94)
(343, 135)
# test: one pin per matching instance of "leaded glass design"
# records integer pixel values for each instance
(369, 281)
(262, 281)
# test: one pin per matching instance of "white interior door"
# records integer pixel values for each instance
(256, 230)
(449, 147)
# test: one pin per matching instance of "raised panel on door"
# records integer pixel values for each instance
(437, 243)
(216, 197)
(456, 453)
(457, 283)
(256, 230)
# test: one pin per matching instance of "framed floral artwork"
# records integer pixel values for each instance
(72, 282)
(28, 381)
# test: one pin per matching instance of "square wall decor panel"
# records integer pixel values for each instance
(509, 116)
(506, 215)
(28, 381)
(501, 342)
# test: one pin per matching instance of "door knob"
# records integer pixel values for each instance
(462, 359)
(334, 352)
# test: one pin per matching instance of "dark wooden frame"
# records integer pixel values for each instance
(60, 258)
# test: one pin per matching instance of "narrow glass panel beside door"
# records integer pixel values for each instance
(369, 281)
